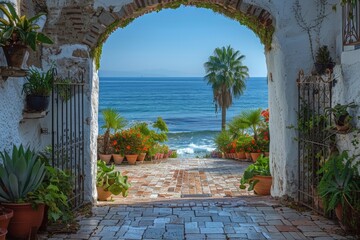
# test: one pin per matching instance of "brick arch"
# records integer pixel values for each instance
(93, 24)
(257, 19)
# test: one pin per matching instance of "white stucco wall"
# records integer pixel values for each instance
(13, 128)
(346, 90)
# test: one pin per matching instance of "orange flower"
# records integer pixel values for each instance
(253, 141)
(128, 147)
(114, 142)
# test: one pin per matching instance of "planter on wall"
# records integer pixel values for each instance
(14, 55)
(37, 103)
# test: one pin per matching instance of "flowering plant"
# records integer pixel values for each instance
(242, 143)
(128, 142)
(254, 147)
(265, 114)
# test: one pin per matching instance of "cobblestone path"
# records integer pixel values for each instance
(155, 208)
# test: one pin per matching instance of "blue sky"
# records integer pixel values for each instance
(176, 43)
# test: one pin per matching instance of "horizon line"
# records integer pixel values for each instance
(165, 77)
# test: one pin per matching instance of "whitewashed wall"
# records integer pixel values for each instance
(346, 90)
(13, 128)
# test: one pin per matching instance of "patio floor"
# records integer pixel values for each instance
(197, 199)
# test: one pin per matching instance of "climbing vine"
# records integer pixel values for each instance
(263, 31)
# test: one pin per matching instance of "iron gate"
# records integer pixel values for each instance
(315, 138)
(68, 133)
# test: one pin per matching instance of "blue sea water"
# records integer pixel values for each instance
(186, 104)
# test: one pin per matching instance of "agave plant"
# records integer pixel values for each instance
(20, 30)
(20, 174)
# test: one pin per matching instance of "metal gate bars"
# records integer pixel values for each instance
(68, 133)
(315, 139)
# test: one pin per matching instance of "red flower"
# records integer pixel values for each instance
(128, 147)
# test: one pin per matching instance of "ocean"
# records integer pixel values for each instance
(186, 105)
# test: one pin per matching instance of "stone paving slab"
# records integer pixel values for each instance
(162, 221)
(155, 209)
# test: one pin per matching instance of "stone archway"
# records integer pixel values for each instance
(80, 27)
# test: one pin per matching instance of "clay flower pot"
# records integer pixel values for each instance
(240, 155)
(102, 194)
(5, 218)
(141, 157)
(131, 159)
(26, 220)
(339, 212)
(14, 55)
(105, 157)
(266, 154)
(247, 155)
(3, 233)
(118, 158)
(263, 186)
(255, 156)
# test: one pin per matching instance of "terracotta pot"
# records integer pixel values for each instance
(240, 155)
(118, 158)
(247, 155)
(131, 159)
(339, 212)
(105, 157)
(102, 194)
(26, 220)
(15, 55)
(263, 186)
(3, 233)
(266, 154)
(255, 156)
(5, 218)
(141, 157)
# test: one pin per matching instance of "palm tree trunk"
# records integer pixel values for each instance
(223, 118)
(106, 141)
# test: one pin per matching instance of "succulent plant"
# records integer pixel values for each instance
(20, 174)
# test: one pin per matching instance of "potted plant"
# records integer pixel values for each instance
(5, 215)
(109, 181)
(18, 32)
(258, 176)
(323, 60)
(113, 121)
(340, 180)
(21, 173)
(38, 88)
(54, 192)
(341, 115)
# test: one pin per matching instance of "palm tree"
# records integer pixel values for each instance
(252, 118)
(114, 121)
(226, 73)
